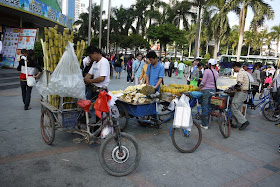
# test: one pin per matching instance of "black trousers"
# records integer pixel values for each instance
(26, 93)
(170, 72)
(255, 89)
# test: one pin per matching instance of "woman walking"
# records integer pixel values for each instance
(129, 69)
(32, 64)
(208, 85)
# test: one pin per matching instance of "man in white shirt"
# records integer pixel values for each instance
(99, 73)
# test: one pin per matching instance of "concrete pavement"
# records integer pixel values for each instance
(246, 158)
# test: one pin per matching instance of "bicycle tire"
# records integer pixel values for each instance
(48, 137)
(112, 157)
(266, 110)
(124, 117)
(224, 123)
(178, 143)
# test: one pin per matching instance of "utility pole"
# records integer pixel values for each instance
(89, 22)
(100, 23)
(108, 28)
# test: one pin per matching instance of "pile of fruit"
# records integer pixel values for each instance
(137, 94)
(178, 88)
(117, 92)
(223, 87)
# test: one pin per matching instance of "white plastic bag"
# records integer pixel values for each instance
(106, 131)
(183, 115)
(67, 79)
(173, 104)
(42, 85)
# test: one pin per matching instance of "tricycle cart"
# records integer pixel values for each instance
(119, 153)
(156, 113)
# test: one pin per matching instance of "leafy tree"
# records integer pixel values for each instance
(166, 33)
(275, 35)
(261, 10)
(249, 37)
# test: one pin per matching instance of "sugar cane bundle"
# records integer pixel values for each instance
(53, 49)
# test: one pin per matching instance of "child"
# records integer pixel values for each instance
(268, 81)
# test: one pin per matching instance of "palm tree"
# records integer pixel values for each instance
(263, 35)
(234, 37)
(140, 9)
(275, 35)
(191, 37)
(249, 37)
(261, 11)
(200, 4)
(220, 24)
(83, 23)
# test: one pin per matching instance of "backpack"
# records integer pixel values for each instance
(117, 63)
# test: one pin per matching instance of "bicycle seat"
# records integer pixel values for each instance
(84, 104)
(196, 94)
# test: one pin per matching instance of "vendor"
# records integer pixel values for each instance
(155, 71)
(99, 73)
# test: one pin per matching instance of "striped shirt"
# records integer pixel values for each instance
(243, 78)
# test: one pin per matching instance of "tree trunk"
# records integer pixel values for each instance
(248, 50)
(216, 49)
(165, 49)
(227, 50)
(207, 48)
(176, 49)
(190, 49)
(197, 37)
(160, 50)
(242, 19)
(260, 50)
(233, 50)
(277, 45)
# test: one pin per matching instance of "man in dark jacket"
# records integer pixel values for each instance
(171, 67)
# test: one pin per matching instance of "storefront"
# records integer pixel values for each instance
(27, 14)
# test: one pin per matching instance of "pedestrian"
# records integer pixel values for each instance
(197, 74)
(245, 66)
(175, 65)
(257, 79)
(144, 71)
(32, 64)
(268, 80)
(118, 66)
(137, 67)
(208, 85)
(171, 67)
(239, 97)
(166, 66)
(129, 69)
(180, 69)
(155, 71)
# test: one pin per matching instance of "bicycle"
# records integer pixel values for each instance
(218, 107)
(269, 106)
(156, 114)
(119, 153)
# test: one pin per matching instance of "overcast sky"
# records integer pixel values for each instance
(232, 16)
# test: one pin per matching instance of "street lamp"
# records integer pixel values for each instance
(108, 27)
(100, 23)
(89, 22)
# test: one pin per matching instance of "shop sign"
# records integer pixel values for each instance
(40, 9)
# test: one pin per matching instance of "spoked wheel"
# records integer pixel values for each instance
(124, 117)
(119, 158)
(269, 112)
(224, 123)
(186, 141)
(47, 126)
(163, 112)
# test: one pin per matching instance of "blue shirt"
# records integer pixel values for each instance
(155, 73)
(135, 66)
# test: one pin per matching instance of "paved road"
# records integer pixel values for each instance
(246, 158)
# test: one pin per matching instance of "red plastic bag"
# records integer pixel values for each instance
(101, 103)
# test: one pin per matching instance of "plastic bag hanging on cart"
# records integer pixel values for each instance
(183, 116)
(42, 85)
(67, 79)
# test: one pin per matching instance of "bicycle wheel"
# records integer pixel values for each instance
(47, 126)
(186, 141)
(124, 117)
(224, 123)
(269, 112)
(116, 160)
(164, 113)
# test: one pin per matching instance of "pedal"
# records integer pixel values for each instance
(77, 140)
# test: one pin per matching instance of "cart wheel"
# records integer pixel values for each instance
(124, 117)
(119, 155)
(47, 126)
(224, 123)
